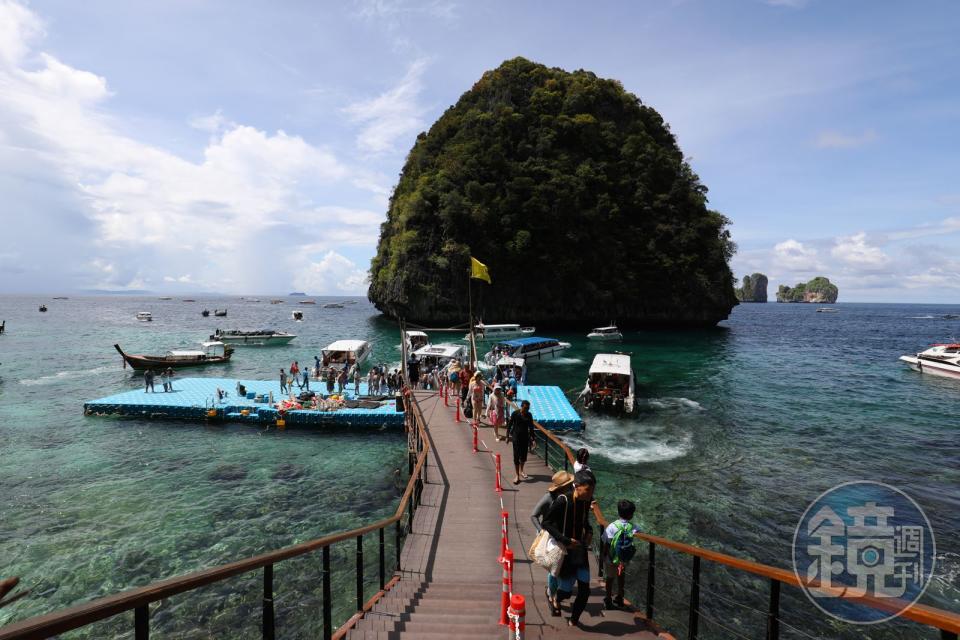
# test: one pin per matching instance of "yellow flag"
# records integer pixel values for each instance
(478, 270)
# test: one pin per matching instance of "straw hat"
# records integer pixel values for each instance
(559, 480)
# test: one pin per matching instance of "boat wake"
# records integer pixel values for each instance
(32, 382)
(927, 317)
(670, 403)
(565, 360)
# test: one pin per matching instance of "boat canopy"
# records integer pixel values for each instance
(483, 327)
(523, 342)
(187, 353)
(346, 345)
(615, 363)
(610, 329)
(508, 361)
(440, 351)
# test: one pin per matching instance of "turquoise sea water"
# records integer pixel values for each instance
(739, 429)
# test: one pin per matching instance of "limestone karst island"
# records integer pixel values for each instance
(819, 290)
(578, 198)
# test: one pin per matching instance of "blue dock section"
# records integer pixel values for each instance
(193, 398)
(550, 407)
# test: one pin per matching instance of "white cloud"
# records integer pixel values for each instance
(856, 251)
(795, 256)
(838, 140)
(333, 274)
(391, 116)
(252, 195)
(213, 123)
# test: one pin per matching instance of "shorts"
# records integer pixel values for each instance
(453, 376)
(566, 584)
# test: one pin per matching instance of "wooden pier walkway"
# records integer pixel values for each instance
(451, 582)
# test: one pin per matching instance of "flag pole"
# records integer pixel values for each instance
(470, 303)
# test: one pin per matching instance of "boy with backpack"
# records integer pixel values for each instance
(617, 547)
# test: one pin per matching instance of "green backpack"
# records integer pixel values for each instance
(621, 545)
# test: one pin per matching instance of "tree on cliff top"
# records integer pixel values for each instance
(574, 194)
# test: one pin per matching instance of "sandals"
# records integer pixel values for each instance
(554, 607)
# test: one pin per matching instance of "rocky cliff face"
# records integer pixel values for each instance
(754, 288)
(573, 193)
(819, 290)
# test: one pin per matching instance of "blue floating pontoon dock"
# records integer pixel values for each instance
(192, 398)
(550, 407)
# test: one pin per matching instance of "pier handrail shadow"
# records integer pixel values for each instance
(139, 599)
(947, 622)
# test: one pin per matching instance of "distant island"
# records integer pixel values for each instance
(296, 293)
(819, 290)
(754, 288)
(573, 193)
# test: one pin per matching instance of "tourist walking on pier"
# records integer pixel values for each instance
(148, 381)
(497, 410)
(167, 379)
(616, 551)
(306, 379)
(356, 379)
(341, 380)
(331, 380)
(559, 483)
(568, 521)
(520, 431)
(283, 381)
(294, 369)
(475, 393)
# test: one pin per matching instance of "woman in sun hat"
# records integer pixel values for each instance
(561, 482)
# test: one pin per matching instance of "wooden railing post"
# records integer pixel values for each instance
(773, 615)
(268, 614)
(327, 616)
(141, 622)
(360, 572)
(694, 622)
(397, 544)
(651, 577)
(383, 561)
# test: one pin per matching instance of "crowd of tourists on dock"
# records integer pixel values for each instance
(380, 380)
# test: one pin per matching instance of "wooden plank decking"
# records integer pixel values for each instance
(451, 581)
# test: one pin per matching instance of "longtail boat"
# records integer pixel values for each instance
(211, 353)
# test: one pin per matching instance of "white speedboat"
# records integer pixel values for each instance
(508, 367)
(939, 360)
(530, 349)
(826, 310)
(439, 355)
(415, 340)
(605, 333)
(345, 353)
(493, 332)
(144, 316)
(253, 338)
(610, 384)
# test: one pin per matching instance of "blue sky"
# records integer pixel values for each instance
(251, 147)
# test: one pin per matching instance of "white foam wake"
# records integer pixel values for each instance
(32, 382)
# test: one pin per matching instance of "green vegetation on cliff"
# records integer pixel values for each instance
(574, 194)
(819, 290)
(754, 288)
